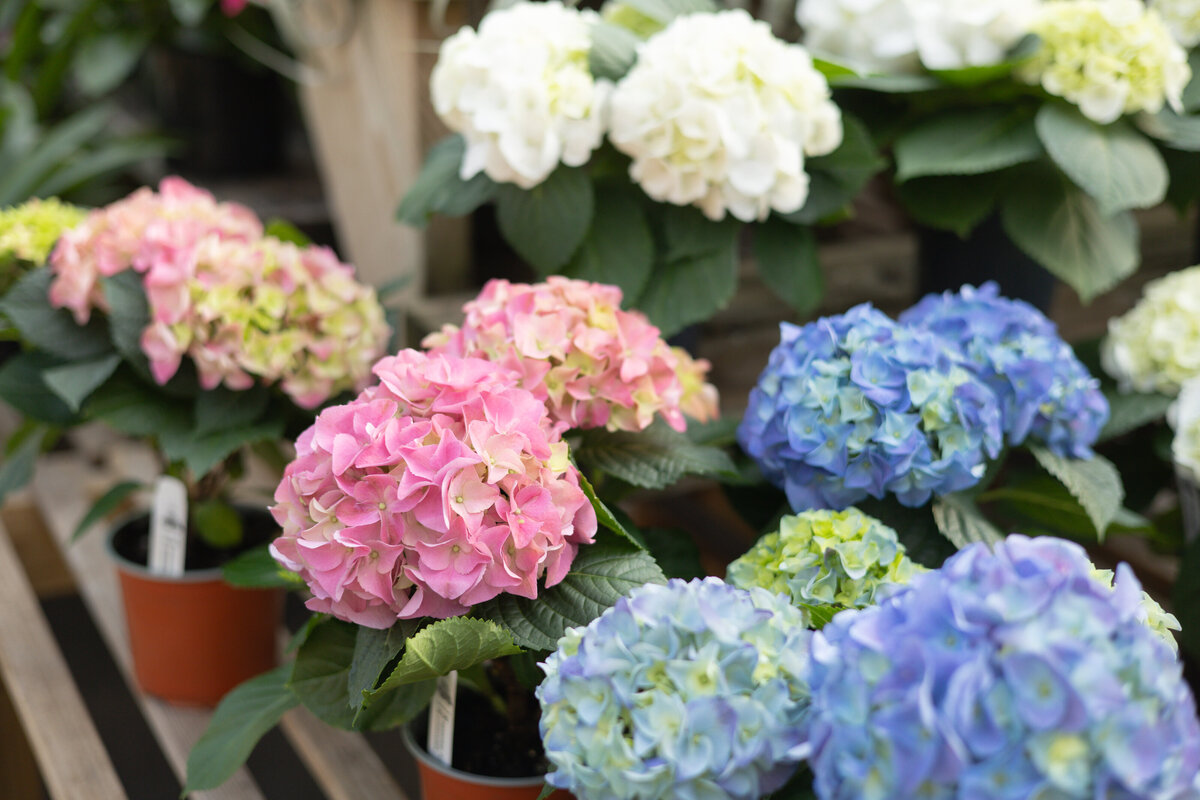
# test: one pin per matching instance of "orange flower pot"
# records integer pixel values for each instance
(195, 637)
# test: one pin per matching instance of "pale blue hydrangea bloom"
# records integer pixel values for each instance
(1002, 676)
(1046, 394)
(857, 404)
(688, 691)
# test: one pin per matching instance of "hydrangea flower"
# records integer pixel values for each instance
(440, 487)
(263, 311)
(1108, 57)
(689, 690)
(594, 364)
(1156, 618)
(727, 132)
(520, 93)
(1182, 17)
(901, 36)
(1045, 393)
(1184, 418)
(136, 232)
(1012, 674)
(29, 231)
(826, 558)
(856, 405)
(1155, 346)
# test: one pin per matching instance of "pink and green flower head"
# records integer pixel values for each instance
(594, 364)
(440, 487)
(143, 229)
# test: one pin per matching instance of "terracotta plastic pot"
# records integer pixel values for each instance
(440, 782)
(195, 637)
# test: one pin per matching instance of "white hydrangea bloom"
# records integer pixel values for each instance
(1184, 417)
(1108, 57)
(1182, 18)
(720, 114)
(1155, 346)
(897, 36)
(520, 92)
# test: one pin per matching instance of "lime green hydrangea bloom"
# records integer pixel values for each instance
(1157, 618)
(29, 231)
(1183, 19)
(1108, 57)
(829, 558)
(1155, 346)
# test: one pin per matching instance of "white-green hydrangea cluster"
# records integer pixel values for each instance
(833, 558)
(1108, 57)
(1157, 618)
(1182, 17)
(29, 231)
(1155, 346)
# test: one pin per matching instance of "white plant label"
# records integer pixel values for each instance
(168, 527)
(441, 718)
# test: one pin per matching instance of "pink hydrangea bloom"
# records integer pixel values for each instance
(263, 310)
(437, 489)
(144, 228)
(593, 364)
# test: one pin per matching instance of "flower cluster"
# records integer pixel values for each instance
(729, 131)
(1012, 674)
(520, 93)
(689, 690)
(1108, 57)
(144, 228)
(1156, 618)
(1184, 418)
(593, 364)
(29, 231)
(263, 311)
(436, 489)
(833, 558)
(901, 36)
(1182, 18)
(1045, 393)
(1155, 346)
(857, 405)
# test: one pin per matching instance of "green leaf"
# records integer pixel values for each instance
(52, 149)
(201, 452)
(699, 276)
(1191, 92)
(654, 458)
(74, 382)
(819, 615)
(223, 408)
(447, 645)
(786, 256)
(968, 77)
(1129, 411)
(601, 574)
(218, 524)
(1062, 228)
(833, 69)
(103, 61)
(17, 467)
(256, 569)
(54, 330)
(1113, 163)
(967, 143)
(1028, 501)
(676, 553)
(373, 651)
(1094, 482)
(129, 316)
(109, 502)
(1180, 133)
(190, 13)
(605, 517)
(915, 527)
(23, 386)
(664, 11)
(954, 203)
(242, 718)
(961, 521)
(285, 231)
(104, 157)
(618, 248)
(132, 407)
(614, 51)
(438, 188)
(837, 178)
(886, 84)
(547, 223)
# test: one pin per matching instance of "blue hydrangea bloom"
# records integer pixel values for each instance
(1045, 393)
(687, 691)
(1002, 676)
(857, 405)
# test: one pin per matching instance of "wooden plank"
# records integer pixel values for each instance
(19, 777)
(69, 752)
(56, 486)
(342, 762)
(35, 547)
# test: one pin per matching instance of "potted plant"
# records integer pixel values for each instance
(173, 318)
(611, 155)
(1034, 122)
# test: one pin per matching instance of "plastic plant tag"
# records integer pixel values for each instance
(441, 718)
(168, 527)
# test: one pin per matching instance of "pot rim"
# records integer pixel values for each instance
(422, 755)
(142, 571)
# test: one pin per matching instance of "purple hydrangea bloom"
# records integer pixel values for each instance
(1045, 393)
(1006, 675)
(857, 405)
(688, 691)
